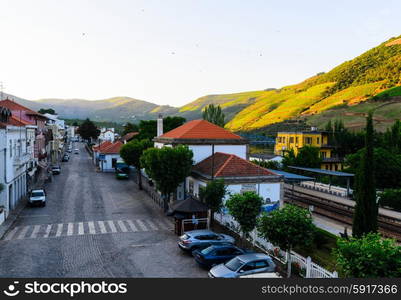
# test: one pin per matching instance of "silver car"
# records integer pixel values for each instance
(244, 265)
(198, 239)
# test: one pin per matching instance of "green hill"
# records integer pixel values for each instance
(350, 83)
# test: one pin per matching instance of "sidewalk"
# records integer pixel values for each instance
(12, 217)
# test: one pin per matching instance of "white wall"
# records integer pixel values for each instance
(265, 190)
(107, 165)
(204, 151)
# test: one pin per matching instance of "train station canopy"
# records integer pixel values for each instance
(291, 177)
(323, 172)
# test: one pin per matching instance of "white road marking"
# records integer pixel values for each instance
(143, 227)
(48, 229)
(11, 234)
(91, 226)
(35, 231)
(70, 229)
(102, 227)
(23, 232)
(122, 226)
(81, 228)
(112, 227)
(132, 225)
(152, 225)
(59, 230)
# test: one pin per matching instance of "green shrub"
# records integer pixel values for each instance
(391, 198)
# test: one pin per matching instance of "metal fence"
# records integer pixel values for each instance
(308, 268)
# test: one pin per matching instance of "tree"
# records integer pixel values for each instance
(213, 195)
(308, 156)
(391, 198)
(392, 138)
(168, 167)
(287, 228)
(366, 209)
(148, 129)
(131, 153)
(47, 111)
(370, 256)
(214, 115)
(387, 167)
(88, 130)
(130, 127)
(269, 164)
(245, 208)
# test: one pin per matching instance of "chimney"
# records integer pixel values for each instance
(160, 125)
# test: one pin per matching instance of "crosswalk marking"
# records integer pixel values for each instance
(122, 226)
(140, 223)
(151, 224)
(35, 231)
(59, 229)
(112, 227)
(132, 225)
(102, 227)
(70, 229)
(91, 226)
(11, 233)
(23, 232)
(79, 228)
(48, 229)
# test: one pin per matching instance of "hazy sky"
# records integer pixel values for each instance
(174, 51)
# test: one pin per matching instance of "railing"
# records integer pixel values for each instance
(308, 268)
(22, 159)
(156, 197)
(201, 223)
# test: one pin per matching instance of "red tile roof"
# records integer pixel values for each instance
(12, 105)
(102, 146)
(129, 136)
(112, 149)
(229, 165)
(200, 129)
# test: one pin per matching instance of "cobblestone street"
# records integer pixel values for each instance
(93, 226)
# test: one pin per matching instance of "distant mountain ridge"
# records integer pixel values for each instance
(348, 85)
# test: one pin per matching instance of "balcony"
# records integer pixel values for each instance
(22, 159)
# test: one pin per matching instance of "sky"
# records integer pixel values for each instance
(174, 51)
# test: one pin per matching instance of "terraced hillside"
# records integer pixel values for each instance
(350, 83)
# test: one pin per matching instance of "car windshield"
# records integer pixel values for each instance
(207, 250)
(234, 264)
(37, 194)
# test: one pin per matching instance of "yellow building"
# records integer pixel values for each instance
(286, 141)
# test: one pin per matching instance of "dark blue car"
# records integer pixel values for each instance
(217, 254)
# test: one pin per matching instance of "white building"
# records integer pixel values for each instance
(221, 151)
(107, 134)
(14, 158)
(106, 155)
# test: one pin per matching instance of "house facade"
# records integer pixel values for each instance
(106, 154)
(15, 157)
(287, 141)
(107, 134)
(219, 153)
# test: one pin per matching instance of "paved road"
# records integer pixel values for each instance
(93, 226)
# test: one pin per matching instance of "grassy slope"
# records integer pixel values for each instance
(350, 83)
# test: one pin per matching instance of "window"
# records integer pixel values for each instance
(113, 162)
(261, 264)
(11, 148)
(191, 187)
(318, 140)
(296, 140)
(292, 140)
(323, 154)
(249, 267)
(308, 140)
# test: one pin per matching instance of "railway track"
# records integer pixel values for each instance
(388, 226)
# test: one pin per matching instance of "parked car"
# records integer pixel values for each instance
(246, 264)
(37, 197)
(262, 275)
(66, 157)
(217, 254)
(200, 239)
(56, 170)
(76, 151)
